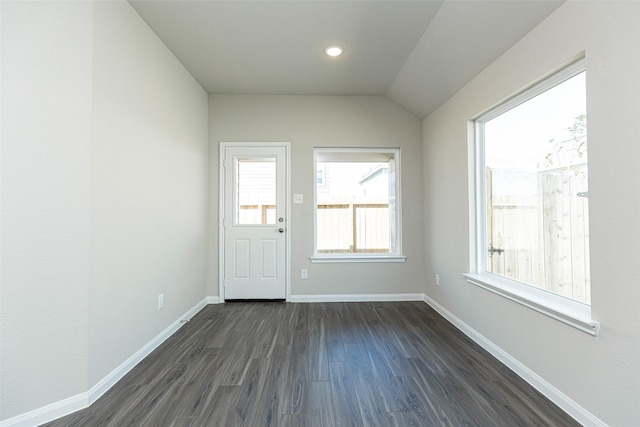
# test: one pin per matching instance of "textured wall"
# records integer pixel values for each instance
(104, 180)
(46, 140)
(601, 374)
(148, 188)
(325, 121)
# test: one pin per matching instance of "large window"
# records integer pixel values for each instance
(530, 195)
(357, 215)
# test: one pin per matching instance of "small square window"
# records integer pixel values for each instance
(357, 204)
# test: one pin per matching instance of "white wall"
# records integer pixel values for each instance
(46, 177)
(104, 182)
(104, 164)
(325, 121)
(600, 374)
(149, 182)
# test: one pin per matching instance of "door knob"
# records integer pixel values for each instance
(281, 230)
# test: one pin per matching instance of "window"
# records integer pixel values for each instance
(530, 199)
(357, 205)
(256, 191)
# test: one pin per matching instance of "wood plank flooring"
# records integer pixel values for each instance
(325, 364)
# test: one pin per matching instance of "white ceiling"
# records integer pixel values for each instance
(417, 53)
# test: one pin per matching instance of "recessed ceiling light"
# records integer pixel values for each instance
(334, 50)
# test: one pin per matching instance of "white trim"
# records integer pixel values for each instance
(49, 412)
(557, 307)
(563, 401)
(566, 310)
(75, 403)
(109, 381)
(80, 401)
(553, 78)
(213, 300)
(221, 206)
(318, 259)
(352, 154)
(290, 228)
(357, 298)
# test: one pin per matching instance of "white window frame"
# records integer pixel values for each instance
(358, 153)
(564, 309)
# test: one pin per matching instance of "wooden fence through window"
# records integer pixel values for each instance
(353, 228)
(542, 239)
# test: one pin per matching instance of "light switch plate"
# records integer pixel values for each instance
(298, 198)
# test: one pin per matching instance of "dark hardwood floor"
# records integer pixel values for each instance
(325, 364)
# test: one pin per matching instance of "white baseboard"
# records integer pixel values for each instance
(75, 403)
(356, 298)
(213, 300)
(563, 401)
(49, 413)
(116, 375)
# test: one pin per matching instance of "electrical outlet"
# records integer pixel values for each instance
(437, 279)
(304, 274)
(160, 301)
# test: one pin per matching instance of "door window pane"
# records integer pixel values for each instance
(255, 202)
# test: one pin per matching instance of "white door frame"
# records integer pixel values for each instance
(221, 213)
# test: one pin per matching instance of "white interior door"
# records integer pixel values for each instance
(254, 222)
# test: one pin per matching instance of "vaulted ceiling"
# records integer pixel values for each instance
(418, 53)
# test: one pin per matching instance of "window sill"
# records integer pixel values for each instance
(356, 258)
(567, 311)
